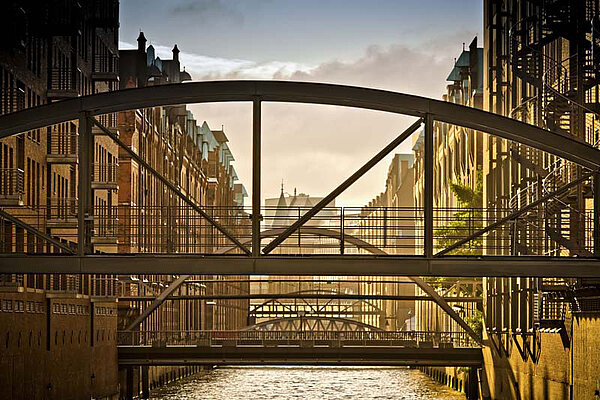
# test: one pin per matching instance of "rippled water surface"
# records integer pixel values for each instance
(321, 383)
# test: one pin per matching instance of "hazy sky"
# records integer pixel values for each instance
(399, 45)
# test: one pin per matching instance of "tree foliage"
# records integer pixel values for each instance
(466, 221)
(463, 223)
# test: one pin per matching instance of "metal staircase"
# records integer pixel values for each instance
(561, 89)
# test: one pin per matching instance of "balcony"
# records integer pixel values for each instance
(62, 83)
(105, 176)
(109, 121)
(12, 101)
(105, 68)
(12, 188)
(106, 223)
(62, 148)
(62, 213)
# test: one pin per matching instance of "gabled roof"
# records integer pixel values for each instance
(220, 136)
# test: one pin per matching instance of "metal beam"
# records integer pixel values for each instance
(172, 187)
(292, 355)
(514, 215)
(36, 232)
(256, 175)
(157, 264)
(559, 144)
(343, 186)
(441, 302)
(299, 280)
(428, 187)
(157, 302)
(255, 296)
(283, 313)
(85, 204)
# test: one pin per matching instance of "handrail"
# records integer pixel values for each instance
(267, 338)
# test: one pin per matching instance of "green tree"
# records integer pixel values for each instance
(466, 221)
(463, 223)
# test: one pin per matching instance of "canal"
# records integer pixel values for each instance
(322, 383)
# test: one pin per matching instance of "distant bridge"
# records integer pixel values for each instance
(265, 347)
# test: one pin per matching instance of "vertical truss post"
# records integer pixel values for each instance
(428, 187)
(596, 214)
(85, 204)
(256, 175)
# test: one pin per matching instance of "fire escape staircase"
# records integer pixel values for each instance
(557, 99)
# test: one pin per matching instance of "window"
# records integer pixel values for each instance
(19, 306)
(7, 305)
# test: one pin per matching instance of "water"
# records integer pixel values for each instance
(322, 383)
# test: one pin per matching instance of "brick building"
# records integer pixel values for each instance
(63, 49)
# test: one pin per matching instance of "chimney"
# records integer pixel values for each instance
(176, 53)
(141, 42)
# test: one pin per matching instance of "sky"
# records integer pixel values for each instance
(400, 45)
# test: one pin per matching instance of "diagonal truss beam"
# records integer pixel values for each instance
(347, 183)
(172, 187)
(443, 304)
(157, 302)
(514, 215)
(36, 232)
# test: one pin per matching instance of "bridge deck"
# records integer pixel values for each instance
(303, 354)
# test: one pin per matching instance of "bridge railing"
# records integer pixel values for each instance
(423, 339)
(173, 229)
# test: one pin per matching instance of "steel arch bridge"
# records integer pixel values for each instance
(312, 323)
(287, 307)
(259, 259)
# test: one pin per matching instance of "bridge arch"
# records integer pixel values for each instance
(311, 324)
(556, 143)
(310, 291)
(331, 233)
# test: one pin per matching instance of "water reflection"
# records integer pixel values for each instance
(321, 383)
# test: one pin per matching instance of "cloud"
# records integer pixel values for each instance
(417, 70)
(205, 10)
(211, 68)
(316, 147)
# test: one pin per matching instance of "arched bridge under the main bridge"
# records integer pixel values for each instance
(275, 307)
(322, 232)
(260, 260)
(310, 324)
(257, 346)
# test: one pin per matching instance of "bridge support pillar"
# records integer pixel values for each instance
(85, 204)
(428, 187)
(145, 383)
(129, 383)
(472, 389)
